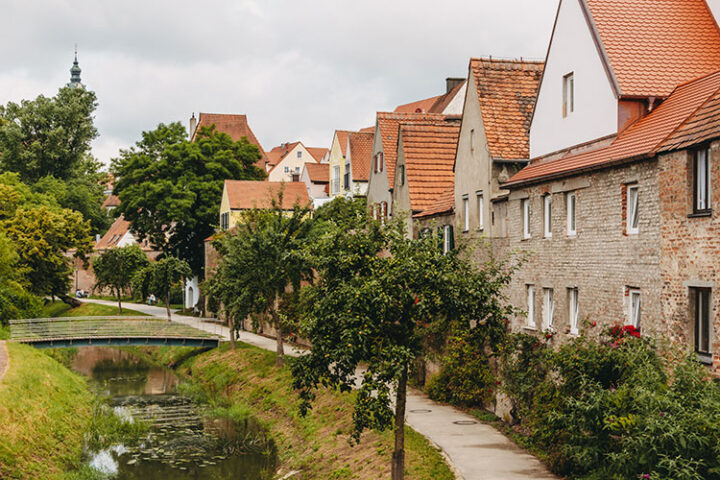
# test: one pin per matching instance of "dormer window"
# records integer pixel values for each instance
(568, 94)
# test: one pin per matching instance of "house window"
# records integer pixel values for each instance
(346, 177)
(448, 238)
(225, 221)
(568, 94)
(383, 212)
(571, 208)
(573, 310)
(286, 169)
(336, 179)
(472, 140)
(530, 306)
(466, 213)
(378, 162)
(701, 174)
(632, 209)
(634, 307)
(548, 308)
(402, 175)
(547, 216)
(702, 308)
(299, 154)
(481, 210)
(297, 169)
(526, 217)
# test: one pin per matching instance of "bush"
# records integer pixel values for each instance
(614, 408)
(465, 378)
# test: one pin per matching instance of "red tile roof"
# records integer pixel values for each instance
(430, 105)
(116, 231)
(507, 90)
(234, 125)
(429, 157)
(654, 45)
(388, 124)
(247, 194)
(703, 125)
(278, 153)
(361, 150)
(342, 140)
(317, 153)
(111, 201)
(368, 129)
(444, 205)
(664, 128)
(318, 172)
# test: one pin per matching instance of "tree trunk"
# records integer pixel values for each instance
(119, 295)
(279, 353)
(231, 324)
(398, 456)
(167, 306)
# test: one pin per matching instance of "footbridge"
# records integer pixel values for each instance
(108, 330)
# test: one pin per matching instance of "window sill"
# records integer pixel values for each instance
(547, 237)
(571, 235)
(574, 333)
(702, 213)
(529, 328)
(525, 239)
(704, 358)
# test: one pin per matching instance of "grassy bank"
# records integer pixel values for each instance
(61, 309)
(316, 445)
(43, 407)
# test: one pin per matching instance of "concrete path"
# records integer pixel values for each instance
(476, 451)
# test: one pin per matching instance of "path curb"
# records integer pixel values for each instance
(4, 359)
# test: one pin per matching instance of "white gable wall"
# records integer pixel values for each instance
(596, 107)
(294, 164)
(455, 107)
(715, 8)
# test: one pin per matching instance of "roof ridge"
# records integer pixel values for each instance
(507, 60)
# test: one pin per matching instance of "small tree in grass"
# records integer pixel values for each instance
(116, 268)
(159, 277)
(380, 299)
(260, 262)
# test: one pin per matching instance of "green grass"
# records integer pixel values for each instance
(246, 382)
(44, 409)
(4, 332)
(60, 309)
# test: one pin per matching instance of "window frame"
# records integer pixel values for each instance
(402, 174)
(632, 209)
(571, 220)
(702, 302)
(547, 215)
(706, 207)
(574, 310)
(299, 154)
(548, 308)
(466, 213)
(634, 318)
(346, 177)
(530, 299)
(335, 187)
(480, 201)
(525, 211)
(568, 86)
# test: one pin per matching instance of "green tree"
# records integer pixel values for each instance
(170, 188)
(379, 301)
(83, 194)
(48, 136)
(159, 277)
(46, 239)
(116, 268)
(260, 263)
(15, 301)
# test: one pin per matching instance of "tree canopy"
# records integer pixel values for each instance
(116, 268)
(159, 277)
(170, 188)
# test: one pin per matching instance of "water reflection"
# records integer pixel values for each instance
(183, 443)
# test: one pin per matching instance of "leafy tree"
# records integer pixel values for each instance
(116, 268)
(15, 301)
(83, 194)
(48, 136)
(380, 299)
(261, 262)
(170, 188)
(159, 277)
(44, 238)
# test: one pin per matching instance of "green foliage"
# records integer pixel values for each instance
(15, 301)
(612, 408)
(465, 377)
(170, 188)
(160, 277)
(116, 268)
(83, 194)
(48, 136)
(341, 212)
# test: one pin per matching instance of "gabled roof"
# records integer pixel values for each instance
(318, 172)
(361, 149)
(431, 105)
(444, 205)
(234, 125)
(653, 45)
(507, 91)
(116, 231)
(342, 136)
(247, 194)
(317, 152)
(388, 124)
(277, 154)
(111, 201)
(429, 157)
(687, 112)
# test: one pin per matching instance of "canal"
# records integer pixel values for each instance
(181, 437)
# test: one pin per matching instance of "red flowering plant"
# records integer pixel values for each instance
(618, 333)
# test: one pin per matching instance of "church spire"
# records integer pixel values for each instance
(75, 73)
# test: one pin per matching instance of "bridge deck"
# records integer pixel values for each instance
(115, 330)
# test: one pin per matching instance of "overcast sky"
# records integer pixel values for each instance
(298, 68)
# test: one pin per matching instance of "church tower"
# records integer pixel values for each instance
(75, 74)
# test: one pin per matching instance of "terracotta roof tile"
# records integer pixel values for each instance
(368, 129)
(507, 90)
(420, 106)
(234, 125)
(318, 172)
(361, 149)
(111, 201)
(116, 231)
(654, 45)
(389, 124)
(661, 129)
(342, 140)
(444, 205)
(429, 157)
(703, 125)
(317, 153)
(247, 194)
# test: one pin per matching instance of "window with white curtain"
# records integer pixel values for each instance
(573, 313)
(634, 306)
(526, 217)
(547, 216)
(548, 308)
(530, 306)
(633, 211)
(481, 210)
(466, 213)
(571, 211)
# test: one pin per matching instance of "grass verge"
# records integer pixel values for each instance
(43, 406)
(317, 445)
(60, 309)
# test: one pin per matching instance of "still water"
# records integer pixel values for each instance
(183, 441)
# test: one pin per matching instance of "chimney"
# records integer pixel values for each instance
(451, 83)
(193, 124)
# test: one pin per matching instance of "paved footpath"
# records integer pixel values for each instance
(476, 451)
(4, 359)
